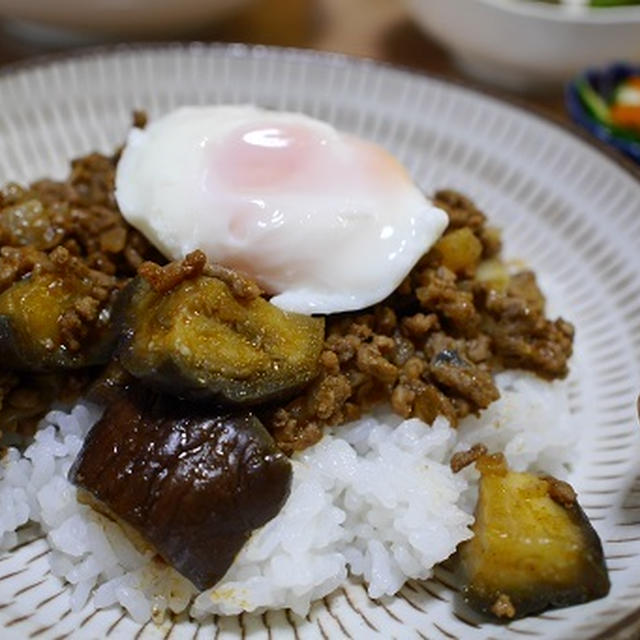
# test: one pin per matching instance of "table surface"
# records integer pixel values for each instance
(378, 29)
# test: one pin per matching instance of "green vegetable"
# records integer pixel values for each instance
(600, 110)
(593, 101)
(612, 3)
(598, 3)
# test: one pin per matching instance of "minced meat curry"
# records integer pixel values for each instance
(207, 385)
(430, 349)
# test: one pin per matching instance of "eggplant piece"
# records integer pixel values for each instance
(50, 321)
(110, 385)
(533, 546)
(201, 342)
(193, 482)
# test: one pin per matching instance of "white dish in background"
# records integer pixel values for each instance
(529, 45)
(569, 211)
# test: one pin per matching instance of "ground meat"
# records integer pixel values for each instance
(523, 286)
(24, 398)
(420, 325)
(461, 210)
(466, 381)
(15, 262)
(92, 181)
(491, 241)
(522, 337)
(561, 492)
(463, 459)
(140, 119)
(79, 214)
(402, 400)
(241, 286)
(432, 402)
(432, 347)
(300, 424)
(454, 305)
(72, 228)
(100, 289)
(478, 349)
(372, 360)
(163, 279)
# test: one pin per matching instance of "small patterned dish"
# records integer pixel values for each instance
(588, 97)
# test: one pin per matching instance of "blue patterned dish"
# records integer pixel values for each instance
(603, 82)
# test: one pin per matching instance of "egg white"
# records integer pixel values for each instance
(323, 221)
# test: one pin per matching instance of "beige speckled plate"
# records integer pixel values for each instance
(568, 210)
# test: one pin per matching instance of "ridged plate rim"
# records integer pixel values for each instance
(52, 65)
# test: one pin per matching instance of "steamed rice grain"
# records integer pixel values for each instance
(374, 499)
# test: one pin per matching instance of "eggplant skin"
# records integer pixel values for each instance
(192, 481)
(30, 332)
(200, 342)
(533, 546)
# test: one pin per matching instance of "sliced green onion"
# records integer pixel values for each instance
(593, 101)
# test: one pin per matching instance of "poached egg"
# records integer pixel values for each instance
(323, 221)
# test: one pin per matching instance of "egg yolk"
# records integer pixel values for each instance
(263, 156)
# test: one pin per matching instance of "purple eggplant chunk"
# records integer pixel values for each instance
(533, 546)
(49, 322)
(201, 342)
(193, 481)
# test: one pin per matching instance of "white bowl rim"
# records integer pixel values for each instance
(44, 60)
(567, 13)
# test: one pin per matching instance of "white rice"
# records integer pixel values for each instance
(375, 498)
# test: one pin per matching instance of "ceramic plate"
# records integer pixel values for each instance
(571, 212)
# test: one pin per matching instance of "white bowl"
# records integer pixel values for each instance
(119, 17)
(526, 44)
(566, 210)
